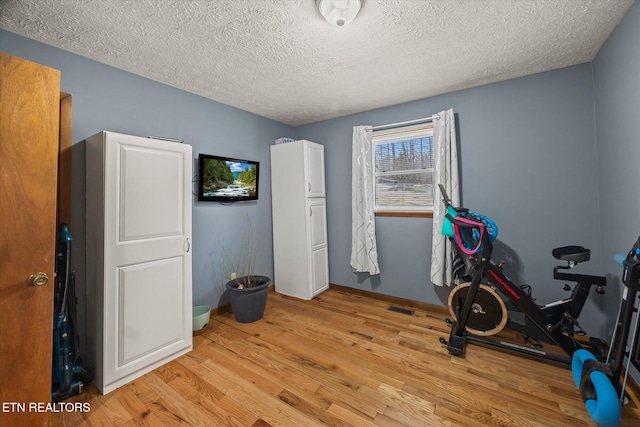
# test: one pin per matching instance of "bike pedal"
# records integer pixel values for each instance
(532, 342)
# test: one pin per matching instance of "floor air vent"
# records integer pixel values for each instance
(401, 310)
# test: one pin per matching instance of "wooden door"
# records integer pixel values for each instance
(29, 124)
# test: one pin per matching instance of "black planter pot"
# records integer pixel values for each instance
(248, 304)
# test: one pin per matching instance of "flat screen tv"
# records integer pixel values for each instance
(225, 179)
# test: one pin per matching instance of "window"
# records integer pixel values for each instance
(403, 172)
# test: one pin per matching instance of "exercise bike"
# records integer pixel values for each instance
(479, 309)
(490, 301)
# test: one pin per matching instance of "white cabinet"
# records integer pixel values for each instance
(138, 207)
(299, 219)
(314, 169)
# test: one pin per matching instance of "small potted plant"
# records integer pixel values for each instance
(247, 291)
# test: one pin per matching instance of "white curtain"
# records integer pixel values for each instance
(446, 173)
(364, 251)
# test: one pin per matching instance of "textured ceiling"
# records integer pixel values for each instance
(281, 60)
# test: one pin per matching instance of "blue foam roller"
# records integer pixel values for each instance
(604, 410)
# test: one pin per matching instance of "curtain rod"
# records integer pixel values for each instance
(409, 122)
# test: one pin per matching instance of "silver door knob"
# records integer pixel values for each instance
(39, 279)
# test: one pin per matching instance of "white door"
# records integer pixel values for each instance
(147, 252)
(318, 245)
(317, 223)
(319, 271)
(314, 157)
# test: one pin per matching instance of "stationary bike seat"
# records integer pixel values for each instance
(572, 253)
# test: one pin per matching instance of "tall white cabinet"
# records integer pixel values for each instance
(299, 219)
(138, 248)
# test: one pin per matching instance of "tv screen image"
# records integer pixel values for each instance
(225, 179)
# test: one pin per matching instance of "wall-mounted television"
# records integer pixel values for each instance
(225, 179)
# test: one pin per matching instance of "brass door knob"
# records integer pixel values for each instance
(39, 279)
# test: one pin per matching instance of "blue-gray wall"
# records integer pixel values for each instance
(616, 72)
(528, 161)
(105, 98)
(616, 75)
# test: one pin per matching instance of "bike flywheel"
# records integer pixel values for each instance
(488, 314)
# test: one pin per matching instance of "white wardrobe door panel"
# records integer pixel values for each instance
(318, 223)
(150, 193)
(138, 251)
(150, 308)
(315, 170)
(319, 271)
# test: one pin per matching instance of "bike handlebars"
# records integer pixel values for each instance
(633, 253)
(620, 259)
(631, 266)
(447, 202)
(446, 199)
(461, 223)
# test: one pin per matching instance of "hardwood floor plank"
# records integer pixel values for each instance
(267, 361)
(226, 359)
(288, 383)
(348, 417)
(539, 416)
(436, 395)
(383, 420)
(315, 360)
(463, 418)
(342, 359)
(191, 379)
(408, 403)
(229, 409)
(141, 415)
(115, 411)
(160, 409)
(267, 407)
(175, 402)
(406, 419)
(308, 407)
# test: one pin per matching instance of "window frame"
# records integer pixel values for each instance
(399, 134)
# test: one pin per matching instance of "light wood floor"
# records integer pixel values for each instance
(341, 359)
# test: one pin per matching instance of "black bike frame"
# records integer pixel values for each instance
(574, 305)
(631, 280)
(484, 268)
(524, 303)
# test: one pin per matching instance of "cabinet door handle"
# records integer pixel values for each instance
(309, 185)
(187, 245)
(310, 211)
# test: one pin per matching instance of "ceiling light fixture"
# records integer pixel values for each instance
(339, 12)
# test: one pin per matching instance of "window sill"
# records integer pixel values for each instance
(405, 214)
